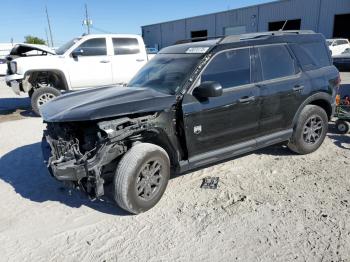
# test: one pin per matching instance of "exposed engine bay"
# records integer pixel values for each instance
(85, 154)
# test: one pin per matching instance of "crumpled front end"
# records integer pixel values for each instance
(85, 154)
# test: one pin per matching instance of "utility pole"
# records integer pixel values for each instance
(47, 37)
(48, 21)
(87, 21)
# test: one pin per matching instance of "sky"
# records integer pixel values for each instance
(19, 18)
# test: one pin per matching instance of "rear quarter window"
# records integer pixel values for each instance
(126, 46)
(312, 55)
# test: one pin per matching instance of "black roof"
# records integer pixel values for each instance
(245, 40)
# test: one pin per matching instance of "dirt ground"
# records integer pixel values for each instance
(271, 205)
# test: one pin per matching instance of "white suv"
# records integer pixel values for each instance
(88, 61)
(338, 46)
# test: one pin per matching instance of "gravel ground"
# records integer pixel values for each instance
(272, 205)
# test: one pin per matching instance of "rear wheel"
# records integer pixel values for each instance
(41, 96)
(141, 177)
(343, 127)
(310, 130)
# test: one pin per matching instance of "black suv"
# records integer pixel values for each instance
(192, 106)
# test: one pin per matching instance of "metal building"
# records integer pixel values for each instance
(330, 17)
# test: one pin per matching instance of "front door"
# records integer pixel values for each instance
(92, 67)
(233, 118)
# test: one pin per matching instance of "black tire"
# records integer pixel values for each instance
(30, 93)
(343, 127)
(132, 181)
(39, 95)
(309, 131)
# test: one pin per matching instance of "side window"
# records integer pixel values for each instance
(230, 68)
(126, 46)
(342, 42)
(311, 55)
(276, 62)
(94, 47)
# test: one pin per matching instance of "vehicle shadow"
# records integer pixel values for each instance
(21, 105)
(24, 170)
(7, 104)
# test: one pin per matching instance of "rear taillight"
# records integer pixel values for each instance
(337, 100)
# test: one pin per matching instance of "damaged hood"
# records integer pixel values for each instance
(105, 102)
(20, 49)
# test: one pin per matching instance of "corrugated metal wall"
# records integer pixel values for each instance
(306, 10)
(329, 8)
(242, 17)
(317, 15)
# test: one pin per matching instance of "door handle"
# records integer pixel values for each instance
(105, 61)
(140, 60)
(246, 99)
(298, 88)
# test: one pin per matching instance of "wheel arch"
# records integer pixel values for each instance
(160, 138)
(56, 72)
(322, 100)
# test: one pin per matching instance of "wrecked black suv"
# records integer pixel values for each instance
(193, 105)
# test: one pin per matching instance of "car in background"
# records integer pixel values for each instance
(87, 61)
(338, 46)
(152, 50)
(3, 66)
(342, 61)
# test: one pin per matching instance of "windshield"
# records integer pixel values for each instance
(166, 72)
(329, 42)
(61, 50)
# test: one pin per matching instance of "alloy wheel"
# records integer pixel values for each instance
(313, 129)
(149, 180)
(44, 98)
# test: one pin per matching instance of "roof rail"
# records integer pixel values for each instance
(198, 39)
(237, 38)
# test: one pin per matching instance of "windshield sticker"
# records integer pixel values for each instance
(197, 50)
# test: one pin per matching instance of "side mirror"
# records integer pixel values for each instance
(77, 52)
(208, 89)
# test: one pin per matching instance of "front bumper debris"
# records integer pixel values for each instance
(84, 173)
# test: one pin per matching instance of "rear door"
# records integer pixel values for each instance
(92, 67)
(233, 118)
(281, 86)
(128, 58)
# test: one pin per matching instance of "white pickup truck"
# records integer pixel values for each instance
(87, 61)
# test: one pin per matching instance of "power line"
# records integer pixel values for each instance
(100, 30)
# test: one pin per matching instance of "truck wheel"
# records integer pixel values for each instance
(310, 130)
(41, 96)
(141, 177)
(343, 127)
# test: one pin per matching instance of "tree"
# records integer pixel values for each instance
(29, 39)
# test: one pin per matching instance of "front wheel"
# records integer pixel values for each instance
(141, 177)
(41, 96)
(310, 130)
